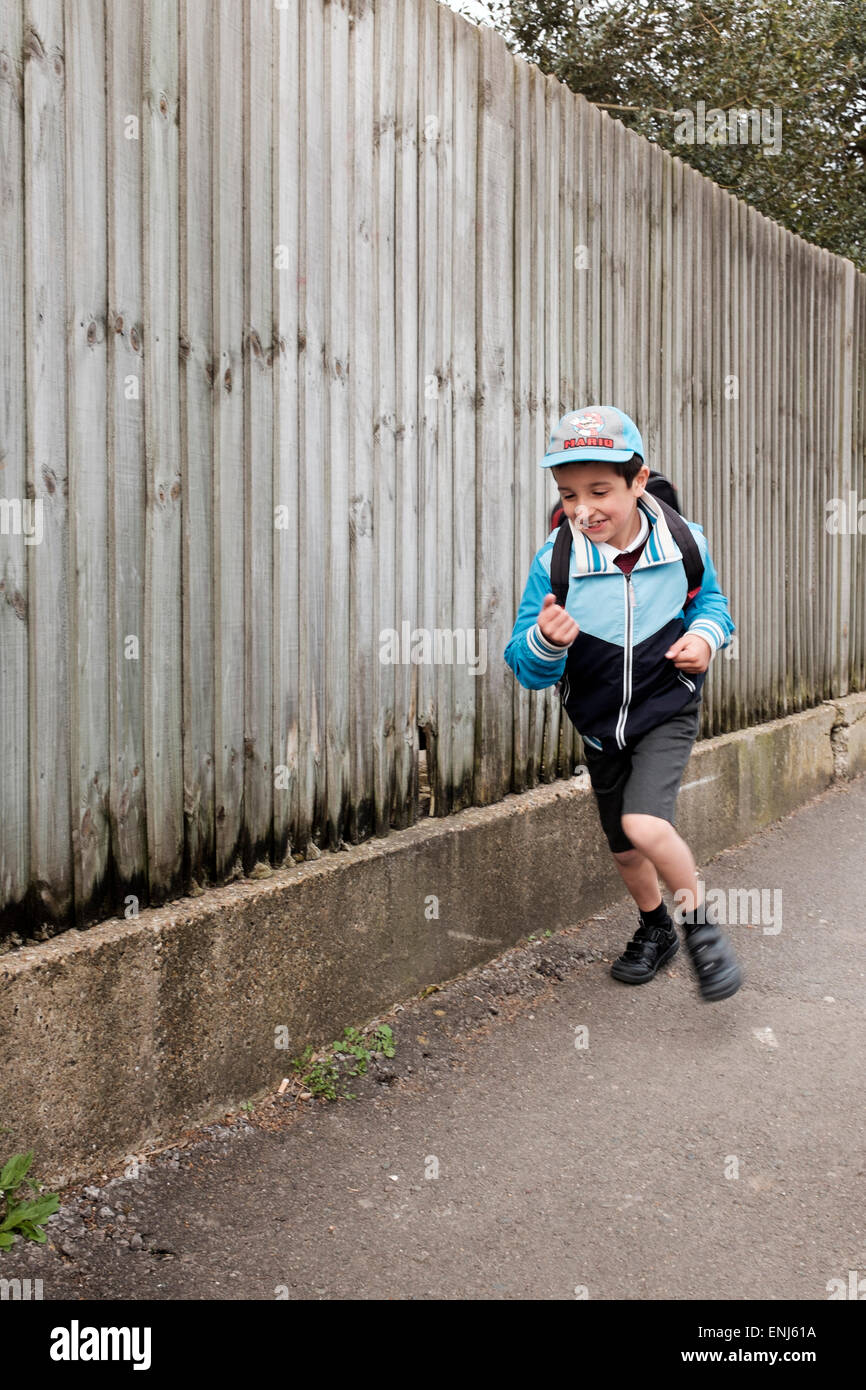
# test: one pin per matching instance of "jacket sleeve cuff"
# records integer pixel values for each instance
(711, 632)
(540, 647)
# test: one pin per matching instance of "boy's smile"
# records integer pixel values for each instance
(600, 502)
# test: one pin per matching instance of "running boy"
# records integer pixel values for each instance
(632, 647)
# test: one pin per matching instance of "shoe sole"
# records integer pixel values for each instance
(726, 981)
(727, 986)
(645, 979)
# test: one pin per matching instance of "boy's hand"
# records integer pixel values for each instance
(691, 652)
(555, 623)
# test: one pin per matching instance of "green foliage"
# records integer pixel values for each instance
(23, 1217)
(644, 60)
(322, 1076)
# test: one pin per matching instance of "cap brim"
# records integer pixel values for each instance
(579, 455)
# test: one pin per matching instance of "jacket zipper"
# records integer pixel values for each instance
(626, 661)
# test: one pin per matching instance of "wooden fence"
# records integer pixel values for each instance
(291, 295)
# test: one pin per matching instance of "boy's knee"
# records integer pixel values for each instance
(644, 830)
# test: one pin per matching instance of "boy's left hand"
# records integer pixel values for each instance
(691, 652)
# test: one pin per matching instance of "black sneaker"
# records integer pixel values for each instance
(644, 955)
(713, 960)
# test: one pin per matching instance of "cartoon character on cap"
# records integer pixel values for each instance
(590, 423)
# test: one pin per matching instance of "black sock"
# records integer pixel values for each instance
(657, 917)
(700, 914)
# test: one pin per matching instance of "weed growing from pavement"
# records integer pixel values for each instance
(322, 1075)
(23, 1217)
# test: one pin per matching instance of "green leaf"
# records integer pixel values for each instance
(33, 1232)
(13, 1172)
(6, 1241)
(36, 1211)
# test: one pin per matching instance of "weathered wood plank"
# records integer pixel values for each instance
(163, 611)
(337, 652)
(126, 467)
(313, 524)
(258, 436)
(776, 464)
(438, 564)
(719, 519)
(858, 444)
(405, 784)
(286, 618)
(48, 599)
(844, 279)
(87, 293)
(740, 675)
(567, 370)
(363, 330)
(197, 373)
(652, 409)
(466, 464)
(549, 349)
(526, 484)
(14, 616)
(228, 446)
(540, 414)
(696, 363)
(495, 457)
(429, 371)
(684, 376)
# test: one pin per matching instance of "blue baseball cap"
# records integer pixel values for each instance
(595, 432)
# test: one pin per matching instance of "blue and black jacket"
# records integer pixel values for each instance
(617, 682)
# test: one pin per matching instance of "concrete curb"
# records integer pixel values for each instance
(121, 1037)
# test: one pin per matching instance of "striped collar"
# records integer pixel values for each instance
(660, 547)
(612, 553)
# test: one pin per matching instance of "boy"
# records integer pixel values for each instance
(632, 648)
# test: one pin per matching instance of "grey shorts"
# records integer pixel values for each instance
(644, 777)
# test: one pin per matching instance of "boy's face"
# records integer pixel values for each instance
(600, 501)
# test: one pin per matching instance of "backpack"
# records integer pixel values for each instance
(665, 494)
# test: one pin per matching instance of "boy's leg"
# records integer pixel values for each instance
(666, 852)
(649, 798)
(658, 763)
(640, 878)
(655, 941)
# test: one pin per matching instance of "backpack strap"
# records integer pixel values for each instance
(561, 555)
(559, 562)
(687, 544)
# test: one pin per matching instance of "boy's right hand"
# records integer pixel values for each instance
(555, 623)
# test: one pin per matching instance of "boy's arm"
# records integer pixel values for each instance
(707, 613)
(535, 662)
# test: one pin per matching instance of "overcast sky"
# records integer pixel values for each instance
(474, 7)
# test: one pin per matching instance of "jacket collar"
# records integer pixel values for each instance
(660, 546)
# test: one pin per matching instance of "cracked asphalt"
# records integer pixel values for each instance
(544, 1132)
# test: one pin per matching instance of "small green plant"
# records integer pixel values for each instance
(322, 1076)
(248, 1106)
(383, 1040)
(23, 1217)
(319, 1078)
